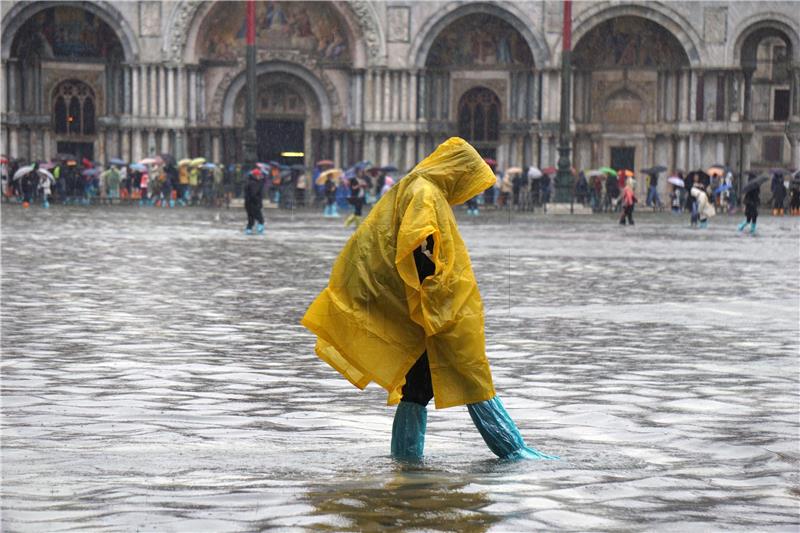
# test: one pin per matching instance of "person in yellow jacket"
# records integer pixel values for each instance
(402, 307)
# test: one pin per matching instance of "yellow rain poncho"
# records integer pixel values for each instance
(374, 319)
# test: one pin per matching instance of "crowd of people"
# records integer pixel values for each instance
(161, 181)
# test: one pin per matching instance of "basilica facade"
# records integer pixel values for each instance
(681, 84)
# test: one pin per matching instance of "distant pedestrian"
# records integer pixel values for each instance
(778, 194)
(356, 200)
(330, 198)
(751, 201)
(253, 201)
(628, 203)
(705, 209)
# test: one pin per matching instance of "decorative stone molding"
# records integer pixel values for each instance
(370, 30)
(179, 24)
(294, 61)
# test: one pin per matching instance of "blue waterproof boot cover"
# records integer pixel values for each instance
(408, 431)
(500, 432)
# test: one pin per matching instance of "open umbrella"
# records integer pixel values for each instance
(779, 171)
(549, 170)
(514, 170)
(197, 161)
(27, 169)
(183, 162)
(534, 173)
(116, 161)
(656, 170)
(676, 181)
(489, 161)
(210, 166)
(754, 183)
(715, 170)
(298, 166)
(137, 167)
(608, 170)
(722, 188)
(389, 168)
(149, 161)
(594, 173)
(47, 165)
(334, 173)
(167, 159)
(90, 172)
(627, 173)
(325, 163)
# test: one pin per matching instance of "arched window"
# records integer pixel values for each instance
(74, 108)
(60, 115)
(479, 115)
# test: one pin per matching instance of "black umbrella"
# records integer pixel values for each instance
(168, 159)
(699, 176)
(779, 171)
(656, 170)
(389, 168)
(65, 157)
(299, 167)
(754, 183)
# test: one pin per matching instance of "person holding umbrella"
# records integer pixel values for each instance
(778, 194)
(628, 203)
(752, 199)
(402, 307)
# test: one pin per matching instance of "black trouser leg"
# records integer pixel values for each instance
(419, 387)
(250, 218)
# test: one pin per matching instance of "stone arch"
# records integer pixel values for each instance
(656, 12)
(624, 105)
(182, 26)
(765, 22)
(18, 15)
(425, 37)
(225, 98)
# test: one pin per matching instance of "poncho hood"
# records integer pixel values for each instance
(457, 169)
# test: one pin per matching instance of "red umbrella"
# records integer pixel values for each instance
(489, 161)
(325, 163)
(549, 170)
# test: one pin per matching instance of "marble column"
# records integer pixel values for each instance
(171, 108)
(794, 140)
(384, 156)
(125, 142)
(180, 96)
(152, 104)
(13, 142)
(337, 150)
(372, 154)
(136, 145)
(135, 90)
(369, 97)
(151, 143)
(180, 147)
(216, 147)
(192, 114)
(412, 104)
(13, 86)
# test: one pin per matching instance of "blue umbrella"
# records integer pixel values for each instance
(137, 167)
(117, 161)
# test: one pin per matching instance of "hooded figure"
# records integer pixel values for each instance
(384, 312)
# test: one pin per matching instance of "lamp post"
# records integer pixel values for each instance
(564, 176)
(249, 141)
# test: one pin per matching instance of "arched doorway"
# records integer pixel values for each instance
(65, 61)
(630, 84)
(288, 117)
(479, 120)
(766, 64)
(480, 67)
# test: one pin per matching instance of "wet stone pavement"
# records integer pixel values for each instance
(155, 378)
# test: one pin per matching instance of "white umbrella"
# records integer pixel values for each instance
(27, 169)
(675, 180)
(534, 173)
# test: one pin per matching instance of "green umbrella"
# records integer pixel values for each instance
(608, 170)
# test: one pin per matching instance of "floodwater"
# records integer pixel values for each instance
(155, 378)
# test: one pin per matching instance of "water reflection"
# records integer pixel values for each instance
(410, 499)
